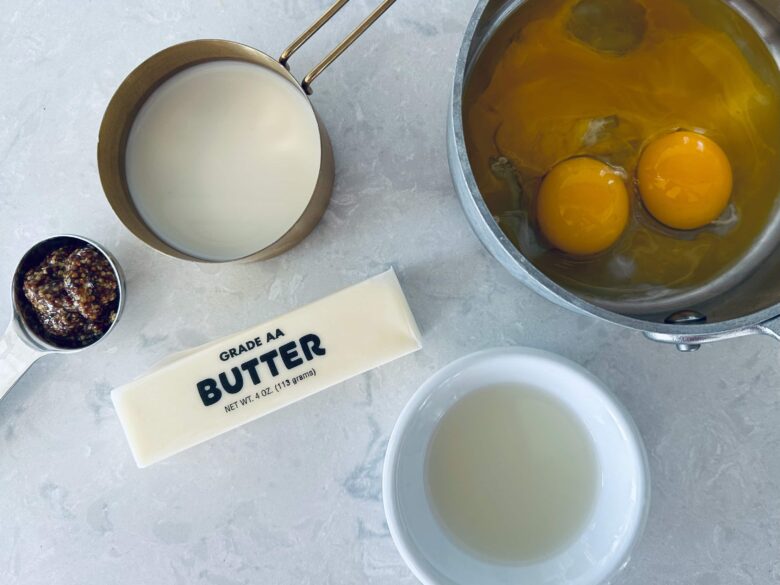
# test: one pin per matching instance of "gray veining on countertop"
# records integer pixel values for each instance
(295, 498)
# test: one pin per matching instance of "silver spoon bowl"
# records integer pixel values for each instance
(21, 345)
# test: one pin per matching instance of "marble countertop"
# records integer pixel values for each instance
(295, 498)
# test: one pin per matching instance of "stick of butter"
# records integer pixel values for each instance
(224, 384)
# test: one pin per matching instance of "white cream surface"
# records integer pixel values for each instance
(221, 385)
(222, 159)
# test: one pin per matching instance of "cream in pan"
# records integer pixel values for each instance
(222, 159)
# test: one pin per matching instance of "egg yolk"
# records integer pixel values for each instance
(582, 206)
(684, 180)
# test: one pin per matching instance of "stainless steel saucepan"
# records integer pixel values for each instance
(745, 303)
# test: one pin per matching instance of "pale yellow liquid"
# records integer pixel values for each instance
(512, 474)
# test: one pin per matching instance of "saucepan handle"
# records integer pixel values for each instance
(692, 341)
(771, 328)
(340, 48)
(16, 357)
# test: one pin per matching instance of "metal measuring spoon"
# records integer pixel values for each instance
(22, 345)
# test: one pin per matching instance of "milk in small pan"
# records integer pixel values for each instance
(222, 159)
(210, 150)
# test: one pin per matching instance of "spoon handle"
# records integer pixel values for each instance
(16, 357)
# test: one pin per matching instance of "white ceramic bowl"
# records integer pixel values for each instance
(618, 516)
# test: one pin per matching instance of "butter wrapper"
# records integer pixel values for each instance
(221, 385)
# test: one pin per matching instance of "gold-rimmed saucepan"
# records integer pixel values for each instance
(139, 86)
